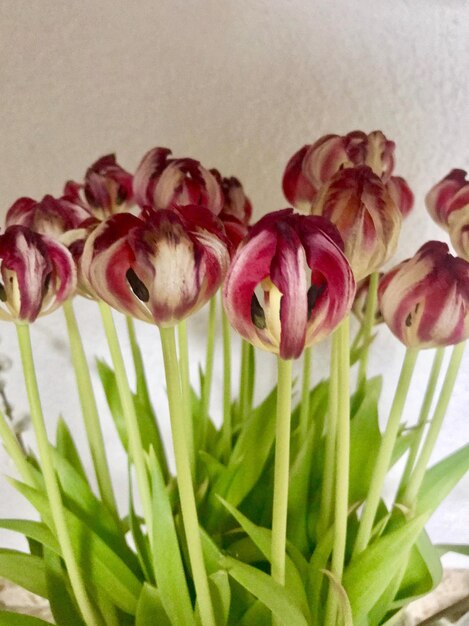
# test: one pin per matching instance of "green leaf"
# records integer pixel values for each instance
(278, 599)
(458, 548)
(150, 608)
(424, 571)
(345, 610)
(257, 615)
(140, 540)
(15, 619)
(101, 566)
(24, 570)
(67, 449)
(167, 563)
(441, 479)
(262, 538)
(33, 530)
(365, 440)
(220, 593)
(375, 568)
(108, 381)
(317, 566)
(62, 606)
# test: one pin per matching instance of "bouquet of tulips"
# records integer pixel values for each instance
(275, 513)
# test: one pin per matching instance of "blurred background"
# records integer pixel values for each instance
(239, 85)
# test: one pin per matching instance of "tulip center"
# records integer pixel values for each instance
(138, 287)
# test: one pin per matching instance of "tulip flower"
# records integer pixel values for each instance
(289, 284)
(401, 194)
(314, 165)
(37, 274)
(360, 303)
(160, 268)
(425, 300)
(358, 203)
(237, 209)
(50, 216)
(162, 183)
(107, 188)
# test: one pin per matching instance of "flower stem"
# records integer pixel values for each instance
(383, 459)
(417, 476)
(89, 411)
(368, 322)
(130, 416)
(342, 461)
(184, 478)
(186, 391)
(281, 470)
(208, 374)
(244, 377)
(227, 427)
(51, 483)
(305, 393)
(423, 416)
(327, 490)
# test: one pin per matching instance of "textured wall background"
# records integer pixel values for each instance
(239, 85)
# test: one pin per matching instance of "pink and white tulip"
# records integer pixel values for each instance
(161, 183)
(160, 268)
(425, 300)
(401, 194)
(289, 284)
(37, 275)
(369, 222)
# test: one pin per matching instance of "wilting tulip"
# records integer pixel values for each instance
(459, 231)
(235, 202)
(162, 183)
(401, 194)
(314, 165)
(51, 216)
(361, 300)
(37, 274)
(425, 300)
(358, 203)
(289, 284)
(449, 195)
(107, 189)
(159, 269)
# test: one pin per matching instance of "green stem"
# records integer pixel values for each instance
(227, 426)
(51, 482)
(136, 448)
(184, 478)
(15, 452)
(281, 470)
(138, 361)
(186, 391)
(368, 324)
(342, 340)
(327, 490)
(305, 395)
(423, 417)
(417, 476)
(244, 377)
(208, 374)
(383, 459)
(89, 411)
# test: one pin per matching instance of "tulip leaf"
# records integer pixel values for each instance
(345, 610)
(101, 566)
(7, 618)
(262, 538)
(108, 381)
(140, 539)
(167, 563)
(276, 597)
(150, 608)
(25, 570)
(62, 605)
(37, 531)
(457, 548)
(257, 615)
(441, 479)
(220, 593)
(375, 568)
(67, 449)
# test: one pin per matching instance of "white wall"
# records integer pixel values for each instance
(239, 85)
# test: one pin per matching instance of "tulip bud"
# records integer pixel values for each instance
(289, 284)
(162, 183)
(401, 194)
(459, 231)
(107, 189)
(425, 300)
(50, 216)
(160, 268)
(361, 301)
(450, 194)
(37, 274)
(358, 203)
(235, 202)
(314, 165)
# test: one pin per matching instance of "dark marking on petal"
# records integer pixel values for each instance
(121, 196)
(314, 293)
(408, 320)
(138, 287)
(3, 293)
(47, 282)
(257, 313)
